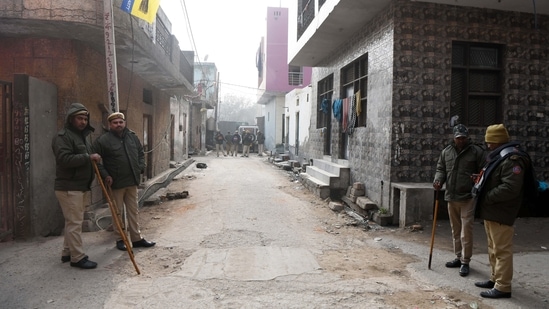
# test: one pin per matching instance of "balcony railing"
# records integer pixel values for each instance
(186, 66)
(295, 78)
(163, 38)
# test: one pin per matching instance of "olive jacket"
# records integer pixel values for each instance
(72, 148)
(501, 189)
(455, 169)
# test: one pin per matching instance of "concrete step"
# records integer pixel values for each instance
(336, 175)
(322, 175)
(317, 187)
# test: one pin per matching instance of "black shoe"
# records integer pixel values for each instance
(464, 270)
(493, 293)
(143, 243)
(120, 245)
(485, 284)
(65, 258)
(453, 264)
(84, 264)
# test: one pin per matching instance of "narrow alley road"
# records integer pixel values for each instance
(247, 237)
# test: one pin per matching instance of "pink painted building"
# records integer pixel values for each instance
(276, 77)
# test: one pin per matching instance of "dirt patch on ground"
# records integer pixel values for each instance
(385, 266)
(360, 262)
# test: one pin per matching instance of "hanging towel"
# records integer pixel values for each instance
(324, 106)
(345, 114)
(358, 107)
(352, 115)
(336, 107)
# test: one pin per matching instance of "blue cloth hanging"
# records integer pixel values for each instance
(337, 109)
(325, 106)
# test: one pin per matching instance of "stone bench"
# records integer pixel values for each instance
(414, 202)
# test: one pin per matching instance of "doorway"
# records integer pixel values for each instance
(6, 188)
(147, 145)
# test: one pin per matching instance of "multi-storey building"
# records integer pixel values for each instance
(53, 54)
(276, 77)
(404, 72)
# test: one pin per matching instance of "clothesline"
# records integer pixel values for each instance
(346, 111)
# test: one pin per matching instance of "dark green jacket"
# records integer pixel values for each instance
(72, 148)
(260, 138)
(229, 139)
(122, 158)
(501, 195)
(455, 169)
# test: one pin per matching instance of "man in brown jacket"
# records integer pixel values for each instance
(499, 193)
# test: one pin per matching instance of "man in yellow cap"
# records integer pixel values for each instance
(123, 163)
(498, 193)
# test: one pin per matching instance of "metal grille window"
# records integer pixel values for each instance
(324, 110)
(163, 37)
(476, 83)
(306, 14)
(354, 80)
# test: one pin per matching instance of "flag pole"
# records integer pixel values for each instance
(110, 55)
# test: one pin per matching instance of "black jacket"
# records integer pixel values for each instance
(123, 158)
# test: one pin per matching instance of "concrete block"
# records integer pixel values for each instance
(357, 192)
(358, 185)
(335, 206)
(352, 198)
(363, 213)
(365, 203)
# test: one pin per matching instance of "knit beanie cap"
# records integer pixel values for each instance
(496, 134)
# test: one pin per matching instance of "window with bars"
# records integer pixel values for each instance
(163, 38)
(147, 96)
(324, 110)
(476, 83)
(354, 83)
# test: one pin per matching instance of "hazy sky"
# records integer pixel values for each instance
(225, 32)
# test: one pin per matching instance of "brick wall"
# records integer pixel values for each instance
(78, 71)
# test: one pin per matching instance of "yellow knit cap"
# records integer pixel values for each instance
(496, 134)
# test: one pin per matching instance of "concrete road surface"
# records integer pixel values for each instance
(247, 236)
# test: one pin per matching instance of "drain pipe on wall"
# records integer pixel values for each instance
(381, 198)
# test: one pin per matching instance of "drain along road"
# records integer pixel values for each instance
(249, 237)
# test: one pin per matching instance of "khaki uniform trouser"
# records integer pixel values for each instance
(228, 148)
(462, 217)
(245, 150)
(218, 148)
(234, 149)
(500, 254)
(260, 149)
(127, 196)
(73, 206)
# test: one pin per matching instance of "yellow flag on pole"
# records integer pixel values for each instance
(144, 9)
